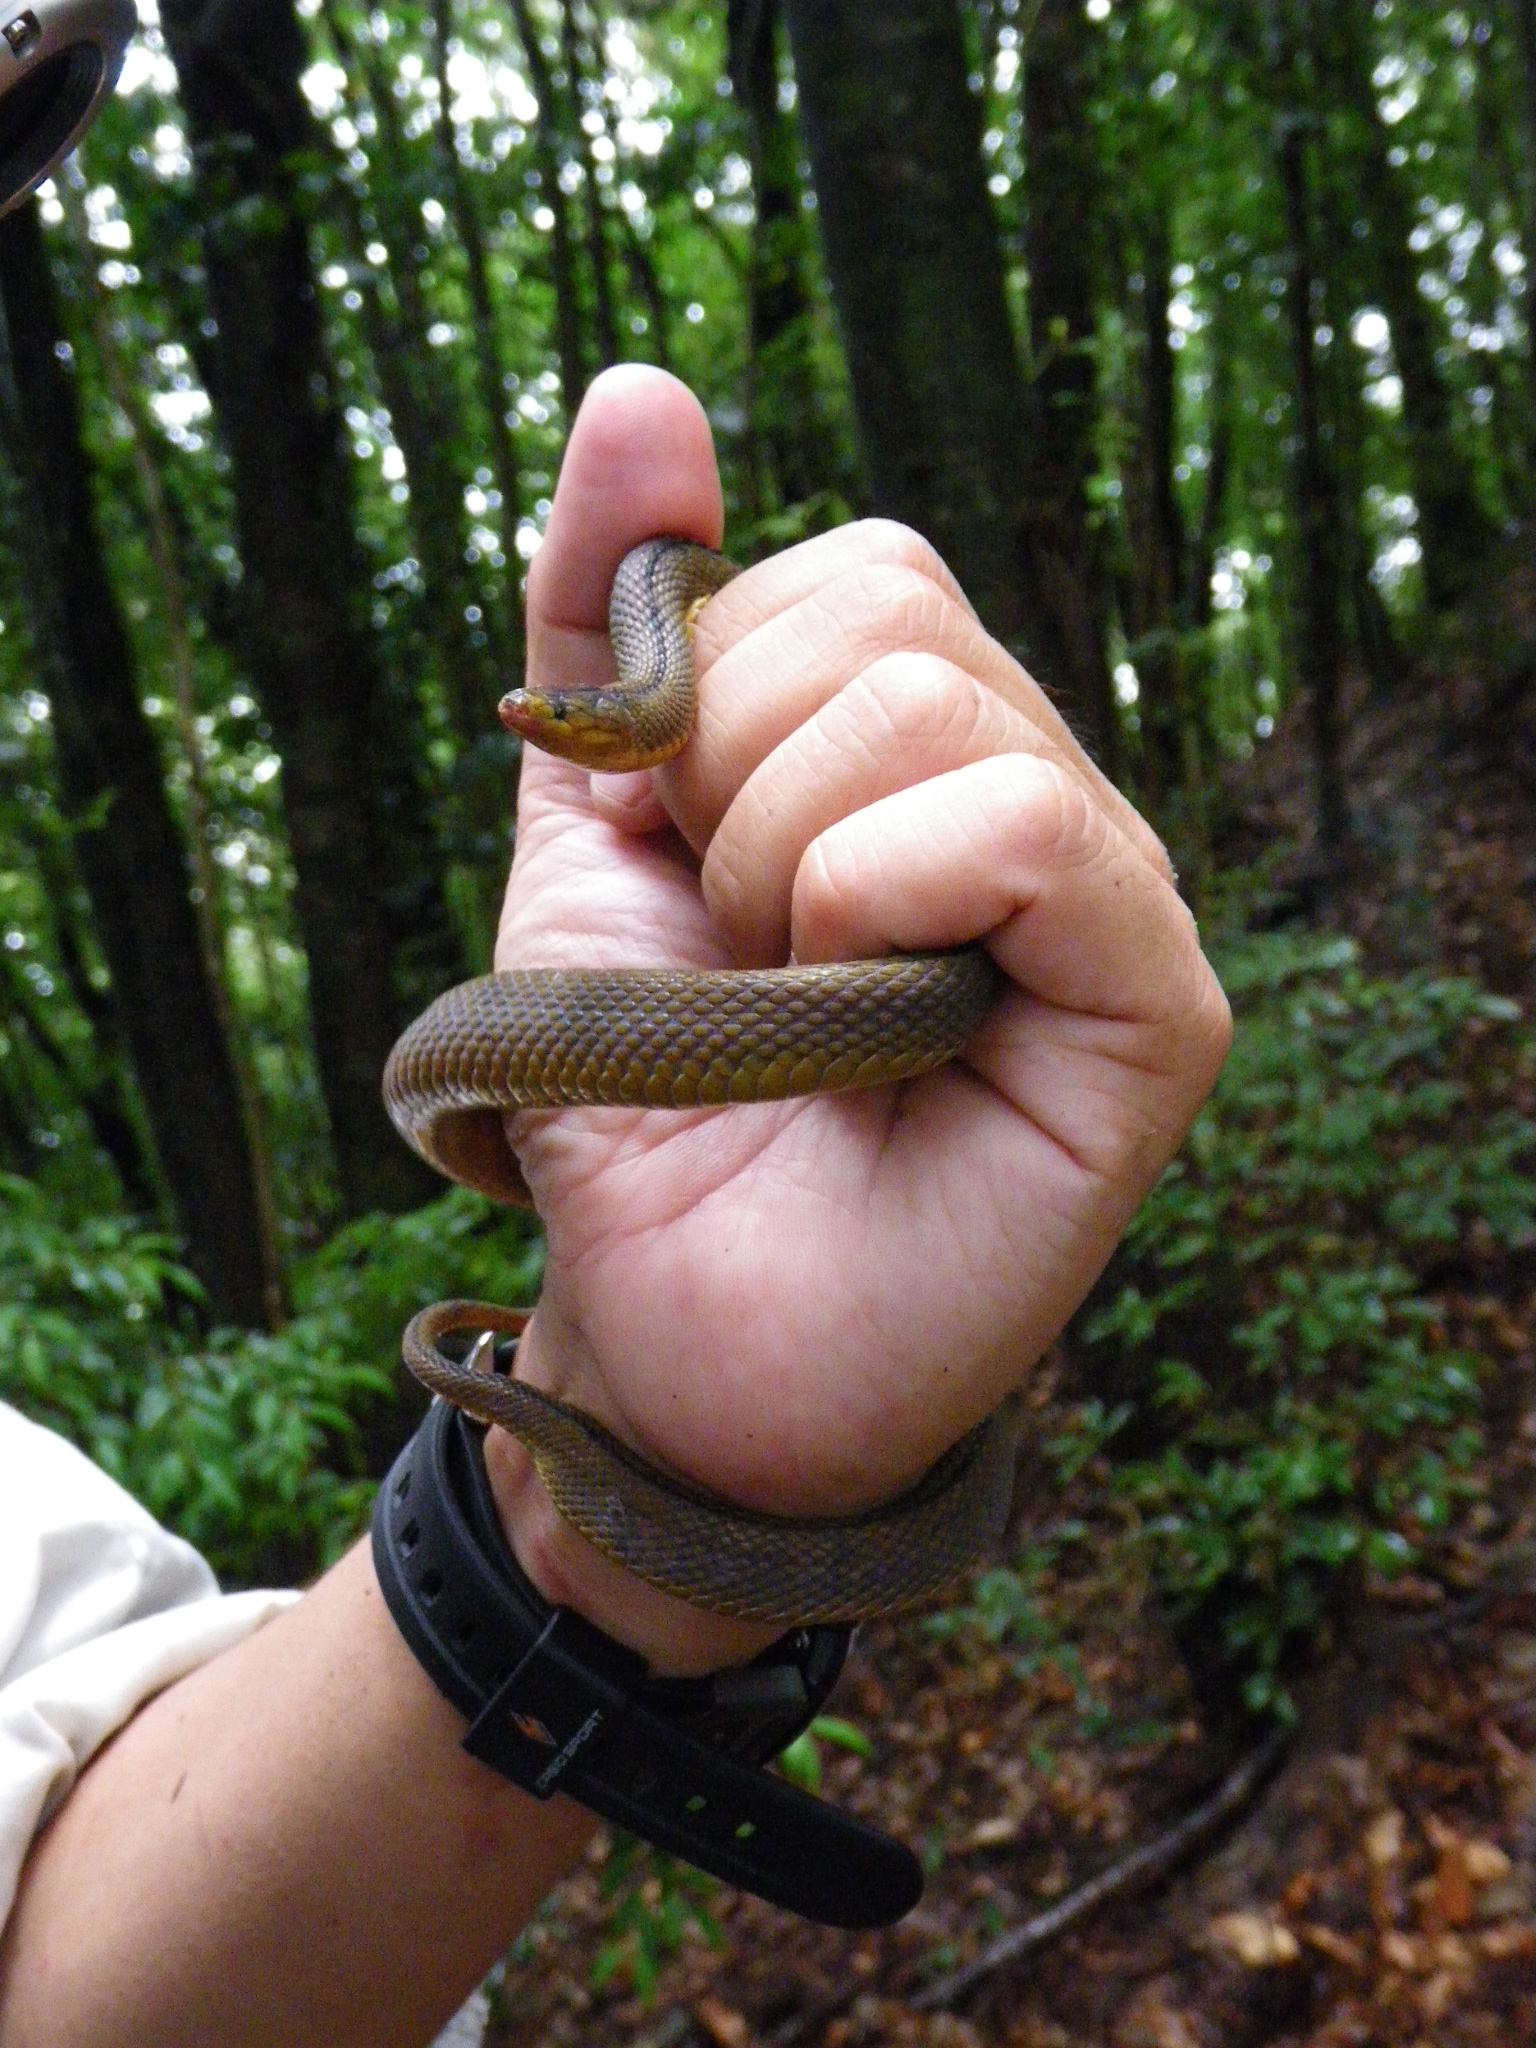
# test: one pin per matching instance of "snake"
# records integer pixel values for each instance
(659, 1039)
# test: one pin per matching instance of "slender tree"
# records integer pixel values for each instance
(1454, 530)
(1316, 500)
(1167, 550)
(89, 1082)
(1062, 212)
(1523, 16)
(424, 405)
(108, 1094)
(488, 363)
(1504, 144)
(799, 454)
(585, 98)
(547, 149)
(160, 540)
(1201, 555)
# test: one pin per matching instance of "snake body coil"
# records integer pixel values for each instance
(898, 1557)
(673, 1039)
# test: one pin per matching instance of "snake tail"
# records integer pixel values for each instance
(900, 1557)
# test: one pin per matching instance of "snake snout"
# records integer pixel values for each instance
(558, 723)
(529, 711)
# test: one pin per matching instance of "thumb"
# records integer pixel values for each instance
(639, 462)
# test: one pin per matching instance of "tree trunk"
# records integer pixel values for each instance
(110, 1097)
(1524, 12)
(1202, 550)
(642, 272)
(99, 1101)
(1499, 183)
(562, 257)
(112, 786)
(1166, 580)
(239, 65)
(17, 1153)
(1316, 501)
(800, 451)
(894, 137)
(1371, 638)
(424, 407)
(1061, 194)
(171, 596)
(583, 99)
(476, 808)
(1454, 531)
(466, 226)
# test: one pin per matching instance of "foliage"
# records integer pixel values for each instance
(651, 1901)
(251, 1446)
(1010, 1607)
(620, 133)
(371, 1277)
(801, 1761)
(1283, 1406)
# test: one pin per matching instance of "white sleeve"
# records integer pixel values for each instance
(99, 1609)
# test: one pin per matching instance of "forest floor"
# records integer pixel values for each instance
(1379, 1888)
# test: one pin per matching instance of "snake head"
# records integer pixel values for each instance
(544, 721)
(593, 728)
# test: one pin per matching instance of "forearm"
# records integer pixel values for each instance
(291, 1844)
(288, 1845)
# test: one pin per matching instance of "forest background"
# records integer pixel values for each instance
(1195, 336)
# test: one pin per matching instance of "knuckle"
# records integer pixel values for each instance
(887, 606)
(917, 698)
(1052, 811)
(1215, 1020)
(829, 878)
(726, 874)
(898, 543)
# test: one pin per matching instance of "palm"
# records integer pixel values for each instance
(720, 1264)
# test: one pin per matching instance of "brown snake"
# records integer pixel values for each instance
(673, 1039)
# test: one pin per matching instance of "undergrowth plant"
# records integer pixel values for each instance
(652, 1902)
(1272, 1385)
(249, 1445)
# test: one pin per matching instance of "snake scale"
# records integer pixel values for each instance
(674, 1039)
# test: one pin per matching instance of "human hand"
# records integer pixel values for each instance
(800, 1305)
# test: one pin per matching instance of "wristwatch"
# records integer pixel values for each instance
(557, 1706)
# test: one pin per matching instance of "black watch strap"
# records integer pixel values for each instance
(556, 1705)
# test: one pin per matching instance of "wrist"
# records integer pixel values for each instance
(675, 1639)
(558, 1706)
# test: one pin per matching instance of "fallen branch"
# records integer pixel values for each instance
(1141, 1867)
